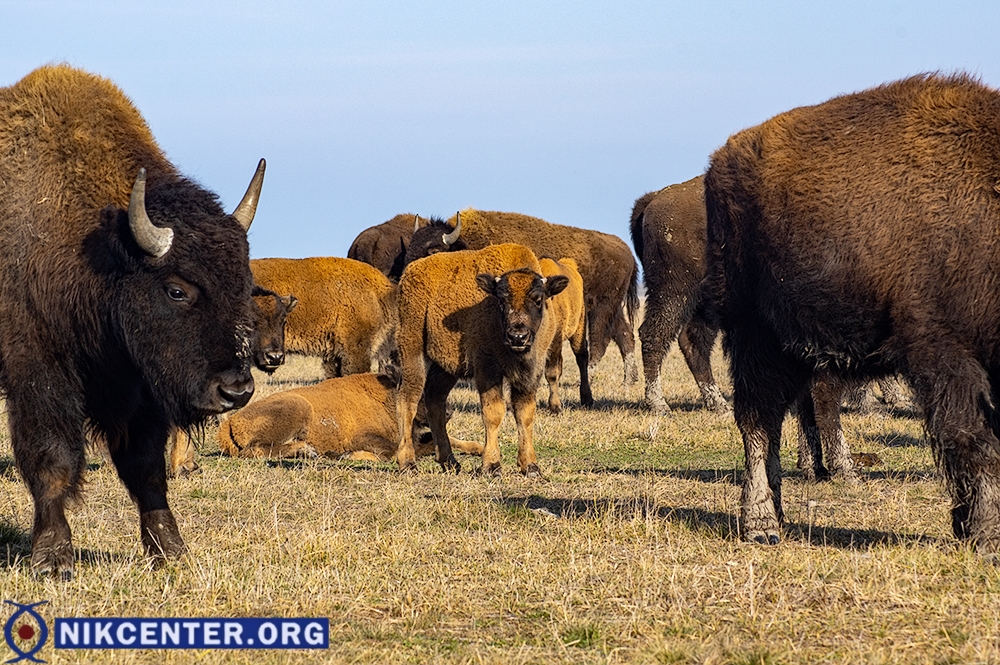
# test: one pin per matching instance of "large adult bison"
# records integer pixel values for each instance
(482, 314)
(668, 233)
(610, 273)
(346, 313)
(125, 293)
(384, 245)
(859, 238)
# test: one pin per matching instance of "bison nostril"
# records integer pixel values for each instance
(275, 358)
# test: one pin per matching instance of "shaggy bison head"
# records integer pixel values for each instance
(178, 270)
(520, 296)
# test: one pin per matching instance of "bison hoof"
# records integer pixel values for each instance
(587, 401)
(451, 464)
(160, 537)
(532, 471)
(408, 467)
(659, 408)
(54, 559)
(555, 409)
(489, 470)
(185, 470)
(763, 538)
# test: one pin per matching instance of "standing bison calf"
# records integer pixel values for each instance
(346, 313)
(483, 314)
(570, 314)
(859, 238)
(352, 416)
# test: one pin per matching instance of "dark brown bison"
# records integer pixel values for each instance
(384, 245)
(610, 273)
(124, 291)
(668, 233)
(267, 348)
(346, 314)
(482, 314)
(351, 417)
(858, 238)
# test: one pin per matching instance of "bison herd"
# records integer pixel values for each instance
(832, 245)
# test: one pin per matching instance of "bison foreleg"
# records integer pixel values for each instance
(138, 457)
(51, 463)
(553, 371)
(439, 384)
(494, 409)
(524, 415)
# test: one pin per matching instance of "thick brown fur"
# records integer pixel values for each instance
(346, 314)
(98, 334)
(450, 328)
(384, 245)
(349, 417)
(859, 237)
(668, 233)
(570, 313)
(610, 273)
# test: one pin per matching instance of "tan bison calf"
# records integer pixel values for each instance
(570, 314)
(352, 416)
(483, 314)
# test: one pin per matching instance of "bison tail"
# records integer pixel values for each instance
(635, 224)
(632, 295)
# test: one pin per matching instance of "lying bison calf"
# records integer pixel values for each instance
(353, 416)
(459, 319)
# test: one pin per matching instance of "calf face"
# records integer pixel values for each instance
(270, 311)
(520, 296)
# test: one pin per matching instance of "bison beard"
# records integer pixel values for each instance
(125, 295)
(858, 238)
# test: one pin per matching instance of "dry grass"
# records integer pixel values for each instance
(626, 553)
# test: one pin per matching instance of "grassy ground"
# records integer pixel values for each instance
(627, 552)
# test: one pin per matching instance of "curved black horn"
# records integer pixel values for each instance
(450, 238)
(153, 240)
(248, 206)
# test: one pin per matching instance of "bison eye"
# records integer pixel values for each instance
(177, 294)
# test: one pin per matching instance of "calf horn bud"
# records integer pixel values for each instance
(450, 238)
(248, 206)
(152, 239)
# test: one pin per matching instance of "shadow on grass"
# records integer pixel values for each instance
(722, 525)
(735, 476)
(15, 549)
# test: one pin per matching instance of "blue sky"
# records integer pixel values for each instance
(568, 111)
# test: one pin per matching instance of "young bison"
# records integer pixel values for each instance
(350, 417)
(570, 314)
(482, 314)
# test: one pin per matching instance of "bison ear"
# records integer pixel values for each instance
(290, 302)
(487, 282)
(554, 285)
